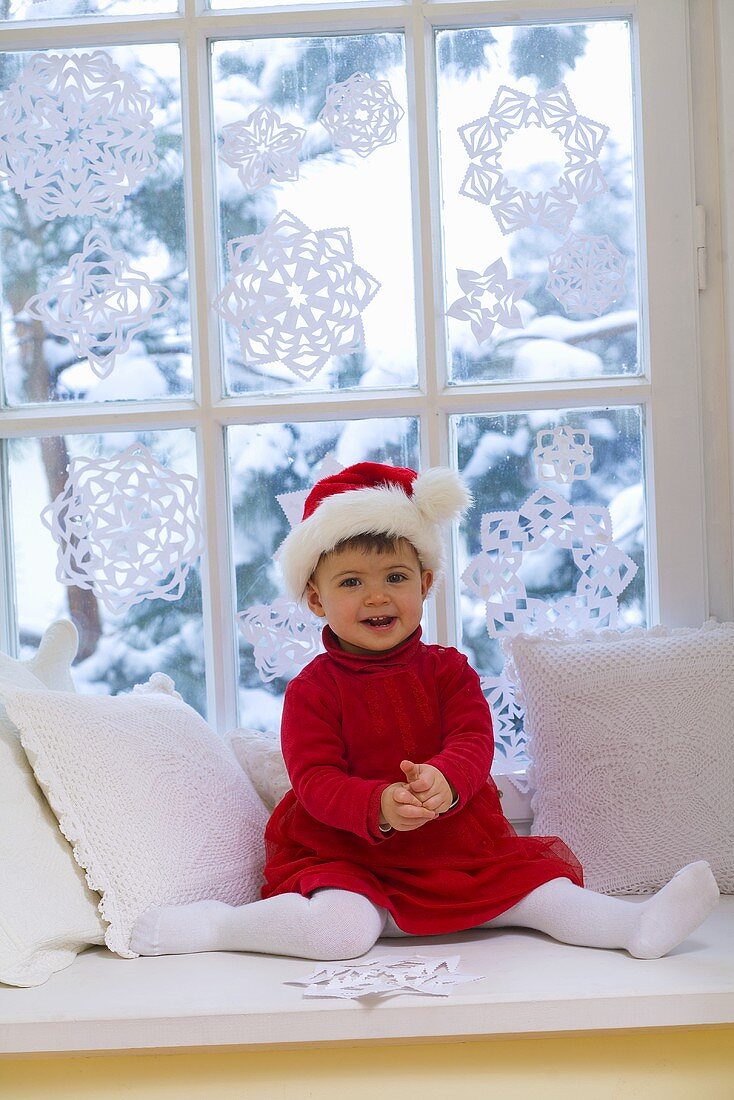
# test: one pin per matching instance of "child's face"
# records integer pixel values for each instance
(371, 601)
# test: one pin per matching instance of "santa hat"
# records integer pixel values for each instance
(371, 498)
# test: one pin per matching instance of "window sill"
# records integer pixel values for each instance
(533, 985)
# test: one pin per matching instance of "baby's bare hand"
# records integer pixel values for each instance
(429, 785)
(403, 810)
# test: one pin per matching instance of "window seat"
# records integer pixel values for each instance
(533, 985)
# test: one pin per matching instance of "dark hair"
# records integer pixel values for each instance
(370, 542)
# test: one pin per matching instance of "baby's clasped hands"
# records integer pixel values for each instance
(429, 785)
(425, 794)
(403, 810)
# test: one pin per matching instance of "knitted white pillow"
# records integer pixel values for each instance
(47, 912)
(261, 757)
(155, 805)
(632, 750)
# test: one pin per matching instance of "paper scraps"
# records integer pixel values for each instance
(428, 974)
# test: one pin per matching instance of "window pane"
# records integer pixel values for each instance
(265, 461)
(93, 236)
(32, 10)
(549, 554)
(58, 9)
(122, 527)
(228, 5)
(316, 248)
(538, 207)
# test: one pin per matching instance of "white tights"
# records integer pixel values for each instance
(339, 924)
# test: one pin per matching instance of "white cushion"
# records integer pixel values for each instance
(261, 757)
(47, 911)
(631, 742)
(154, 803)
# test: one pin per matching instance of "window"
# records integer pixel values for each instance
(240, 246)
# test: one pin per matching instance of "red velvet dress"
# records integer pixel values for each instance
(348, 721)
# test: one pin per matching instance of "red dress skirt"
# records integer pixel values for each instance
(348, 722)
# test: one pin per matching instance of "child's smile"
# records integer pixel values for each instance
(372, 601)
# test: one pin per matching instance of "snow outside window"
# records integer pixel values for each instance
(241, 249)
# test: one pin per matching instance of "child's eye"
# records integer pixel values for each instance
(349, 582)
(395, 578)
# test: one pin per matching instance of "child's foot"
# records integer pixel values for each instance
(675, 911)
(179, 929)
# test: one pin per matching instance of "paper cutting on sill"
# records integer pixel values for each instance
(428, 974)
(99, 303)
(295, 295)
(76, 135)
(126, 528)
(586, 274)
(262, 148)
(361, 114)
(563, 455)
(580, 180)
(489, 299)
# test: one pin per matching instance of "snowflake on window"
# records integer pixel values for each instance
(76, 135)
(283, 635)
(126, 528)
(99, 303)
(586, 274)
(361, 114)
(489, 300)
(563, 455)
(262, 149)
(507, 720)
(547, 519)
(296, 295)
(581, 180)
(293, 503)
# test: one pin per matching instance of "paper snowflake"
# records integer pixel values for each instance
(76, 135)
(262, 148)
(547, 519)
(361, 114)
(586, 274)
(563, 455)
(508, 719)
(582, 178)
(295, 296)
(489, 300)
(412, 974)
(126, 528)
(99, 303)
(293, 503)
(284, 637)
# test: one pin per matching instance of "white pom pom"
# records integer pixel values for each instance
(158, 684)
(440, 495)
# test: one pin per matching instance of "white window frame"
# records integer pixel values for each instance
(677, 584)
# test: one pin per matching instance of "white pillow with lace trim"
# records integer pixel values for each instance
(261, 757)
(155, 806)
(48, 914)
(631, 743)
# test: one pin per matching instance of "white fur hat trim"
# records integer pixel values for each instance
(439, 495)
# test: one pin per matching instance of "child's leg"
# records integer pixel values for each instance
(647, 929)
(331, 924)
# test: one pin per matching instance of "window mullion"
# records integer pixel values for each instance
(201, 208)
(217, 578)
(434, 442)
(8, 609)
(110, 32)
(674, 480)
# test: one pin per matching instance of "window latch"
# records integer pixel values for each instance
(701, 264)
